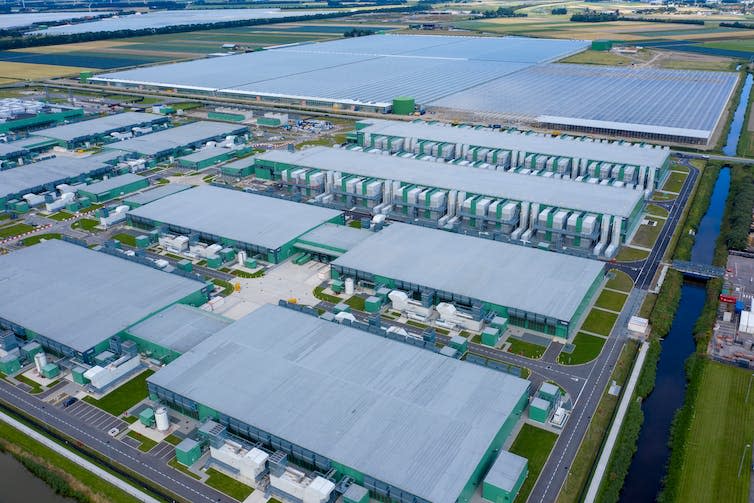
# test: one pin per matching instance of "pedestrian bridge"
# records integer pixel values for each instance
(697, 270)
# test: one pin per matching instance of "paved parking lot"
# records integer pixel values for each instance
(163, 451)
(95, 417)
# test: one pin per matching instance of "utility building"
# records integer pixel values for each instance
(154, 194)
(579, 159)
(510, 206)
(117, 186)
(535, 289)
(73, 300)
(45, 175)
(249, 222)
(178, 140)
(405, 423)
(96, 130)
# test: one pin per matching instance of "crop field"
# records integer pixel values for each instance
(721, 428)
(13, 72)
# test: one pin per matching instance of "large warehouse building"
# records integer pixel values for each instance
(72, 300)
(45, 175)
(408, 424)
(500, 79)
(93, 130)
(178, 140)
(624, 164)
(253, 223)
(532, 288)
(512, 206)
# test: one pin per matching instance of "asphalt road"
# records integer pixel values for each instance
(148, 466)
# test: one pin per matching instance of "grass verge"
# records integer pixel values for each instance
(125, 396)
(146, 443)
(527, 349)
(173, 463)
(588, 347)
(619, 281)
(599, 322)
(535, 445)
(228, 485)
(611, 300)
(126, 239)
(15, 230)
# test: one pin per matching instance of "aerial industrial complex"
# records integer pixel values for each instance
(405, 423)
(556, 212)
(507, 79)
(78, 133)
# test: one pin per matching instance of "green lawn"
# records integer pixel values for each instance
(227, 485)
(588, 348)
(646, 235)
(356, 302)
(146, 443)
(620, 281)
(62, 466)
(32, 240)
(14, 230)
(85, 224)
(526, 349)
(126, 239)
(662, 196)
(175, 464)
(417, 324)
(611, 300)
(319, 293)
(597, 58)
(598, 426)
(173, 439)
(599, 322)
(35, 386)
(657, 211)
(61, 215)
(674, 183)
(722, 425)
(627, 254)
(227, 286)
(535, 445)
(125, 396)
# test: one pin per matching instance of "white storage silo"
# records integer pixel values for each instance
(161, 419)
(349, 286)
(40, 360)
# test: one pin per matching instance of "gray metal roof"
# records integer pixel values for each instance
(27, 18)
(240, 163)
(18, 147)
(179, 327)
(240, 216)
(153, 194)
(372, 69)
(99, 126)
(79, 297)
(342, 237)
(565, 194)
(176, 137)
(624, 96)
(111, 183)
(208, 153)
(506, 470)
(24, 178)
(404, 415)
(614, 152)
(537, 281)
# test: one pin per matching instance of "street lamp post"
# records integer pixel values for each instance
(748, 389)
(741, 464)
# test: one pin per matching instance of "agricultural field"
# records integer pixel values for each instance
(721, 428)
(12, 71)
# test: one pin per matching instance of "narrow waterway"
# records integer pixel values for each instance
(648, 465)
(20, 486)
(736, 125)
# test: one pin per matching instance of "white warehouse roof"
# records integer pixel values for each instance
(248, 218)
(79, 297)
(101, 125)
(537, 281)
(403, 415)
(176, 137)
(565, 194)
(614, 152)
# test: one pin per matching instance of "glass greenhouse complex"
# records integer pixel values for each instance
(489, 78)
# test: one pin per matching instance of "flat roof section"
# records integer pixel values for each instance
(179, 327)
(249, 218)
(536, 281)
(156, 193)
(176, 137)
(55, 170)
(209, 153)
(506, 471)
(79, 297)
(403, 415)
(341, 237)
(111, 183)
(615, 152)
(560, 193)
(371, 70)
(99, 126)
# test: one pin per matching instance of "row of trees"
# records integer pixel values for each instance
(500, 12)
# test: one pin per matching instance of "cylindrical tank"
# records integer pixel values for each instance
(349, 286)
(241, 258)
(40, 360)
(161, 419)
